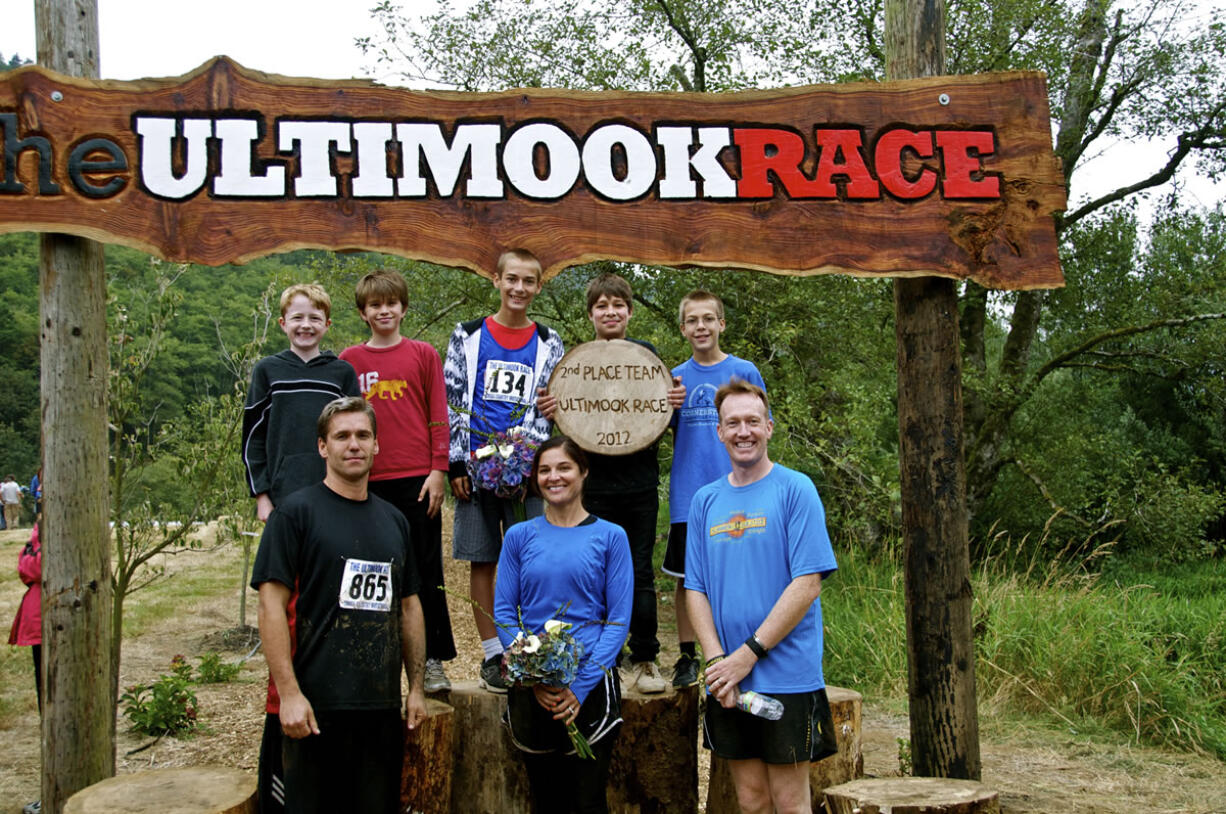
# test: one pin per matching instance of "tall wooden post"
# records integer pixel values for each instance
(78, 733)
(940, 647)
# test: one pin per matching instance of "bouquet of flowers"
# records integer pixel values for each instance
(504, 463)
(550, 658)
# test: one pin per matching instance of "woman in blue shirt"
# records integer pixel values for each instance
(570, 566)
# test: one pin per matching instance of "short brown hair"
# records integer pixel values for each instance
(313, 292)
(700, 295)
(383, 285)
(737, 386)
(569, 447)
(522, 255)
(344, 404)
(608, 284)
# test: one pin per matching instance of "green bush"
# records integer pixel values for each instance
(165, 707)
(213, 670)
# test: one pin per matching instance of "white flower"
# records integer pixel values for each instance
(485, 452)
(533, 645)
(555, 626)
(505, 450)
(515, 431)
(519, 635)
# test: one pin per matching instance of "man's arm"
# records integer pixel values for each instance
(297, 716)
(791, 606)
(413, 651)
(703, 622)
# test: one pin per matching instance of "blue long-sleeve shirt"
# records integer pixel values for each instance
(542, 567)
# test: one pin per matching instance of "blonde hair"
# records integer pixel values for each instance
(522, 255)
(313, 292)
(699, 295)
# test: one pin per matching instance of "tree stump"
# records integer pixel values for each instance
(847, 764)
(191, 790)
(912, 795)
(489, 776)
(655, 761)
(654, 766)
(425, 784)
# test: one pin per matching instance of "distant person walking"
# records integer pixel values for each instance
(10, 494)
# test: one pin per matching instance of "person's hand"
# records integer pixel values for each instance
(724, 676)
(460, 488)
(297, 716)
(263, 506)
(676, 394)
(415, 707)
(432, 489)
(558, 700)
(546, 403)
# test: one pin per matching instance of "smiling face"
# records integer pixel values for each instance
(701, 324)
(610, 316)
(559, 478)
(305, 324)
(744, 429)
(518, 284)
(383, 316)
(349, 448)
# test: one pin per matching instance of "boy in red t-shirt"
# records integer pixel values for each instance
(403, 380)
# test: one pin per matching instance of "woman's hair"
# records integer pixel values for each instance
(569, 448)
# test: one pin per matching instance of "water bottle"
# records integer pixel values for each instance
(761, 705)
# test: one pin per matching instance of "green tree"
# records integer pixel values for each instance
(1120, 71)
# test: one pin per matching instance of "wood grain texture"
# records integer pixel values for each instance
(912, 795)
(425, 777)
(1005, 243)
(191, 790)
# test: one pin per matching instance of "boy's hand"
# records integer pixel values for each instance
(263, 506)
(546, 403)
(676, 394)
(460, 487)
(433, 489)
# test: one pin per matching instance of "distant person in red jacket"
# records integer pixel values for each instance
(28, 626)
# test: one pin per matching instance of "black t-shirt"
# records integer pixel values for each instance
(618, 474)
(348, 564)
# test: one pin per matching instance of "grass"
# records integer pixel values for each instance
(1142, 656)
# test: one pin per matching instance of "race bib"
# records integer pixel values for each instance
(508, 381)
(367, 585)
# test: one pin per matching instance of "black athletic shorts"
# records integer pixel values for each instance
(804, 733)
(354, 764)
(674, 555)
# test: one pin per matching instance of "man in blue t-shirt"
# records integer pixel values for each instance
(762, 634)
(492, 371)
(698, 456)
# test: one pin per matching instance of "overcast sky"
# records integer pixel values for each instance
(315, 38)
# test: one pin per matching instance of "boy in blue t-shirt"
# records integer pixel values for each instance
(493, 369)
(698, 454)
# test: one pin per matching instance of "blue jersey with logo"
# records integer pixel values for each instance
(698, 455)
(744, 545)
(506, 388)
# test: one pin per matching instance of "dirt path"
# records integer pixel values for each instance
(1037, 772)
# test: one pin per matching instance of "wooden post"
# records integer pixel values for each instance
(78, 732)
(940, 648)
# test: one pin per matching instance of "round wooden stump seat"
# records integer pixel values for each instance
(191, 790)
(912, 795)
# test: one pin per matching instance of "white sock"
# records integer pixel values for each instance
(491, 647)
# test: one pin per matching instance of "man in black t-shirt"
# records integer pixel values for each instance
(339, 614)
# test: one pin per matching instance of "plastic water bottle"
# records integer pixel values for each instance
(761, 705)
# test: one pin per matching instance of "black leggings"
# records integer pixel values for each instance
(562, 784)
(37, 650)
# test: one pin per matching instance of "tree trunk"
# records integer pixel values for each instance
(655, 761)
(940, 648)
(913, 795)
(193, 790)
(78, 726)
(427, 769)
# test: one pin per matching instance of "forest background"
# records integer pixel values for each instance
(1095, 413)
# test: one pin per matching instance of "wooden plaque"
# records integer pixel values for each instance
(953, 176)
(612, 396)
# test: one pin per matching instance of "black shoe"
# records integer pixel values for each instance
(491, 675)
(685, 671)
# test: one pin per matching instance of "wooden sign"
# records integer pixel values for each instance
(952, 176)
(612, 396)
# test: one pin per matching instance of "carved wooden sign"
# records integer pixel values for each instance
(952, 176)
(612, 396)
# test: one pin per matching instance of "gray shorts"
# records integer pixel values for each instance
(481, 522)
